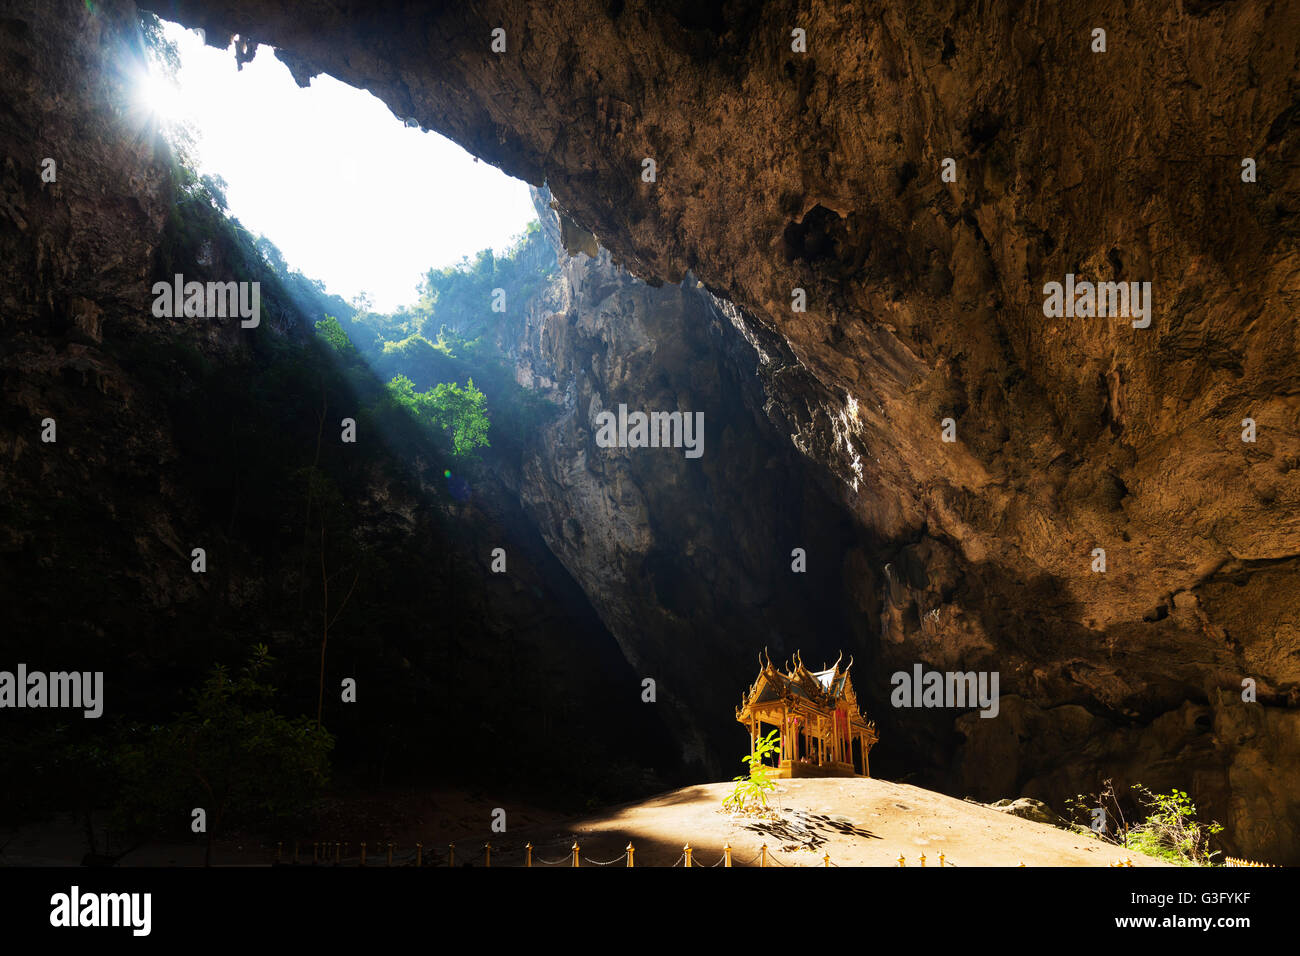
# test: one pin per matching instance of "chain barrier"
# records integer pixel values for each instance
(333, 854)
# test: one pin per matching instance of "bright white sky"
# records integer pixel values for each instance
(348, 193)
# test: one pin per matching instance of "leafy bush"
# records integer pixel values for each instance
(1170, 830)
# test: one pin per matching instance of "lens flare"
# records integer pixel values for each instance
(160, 96)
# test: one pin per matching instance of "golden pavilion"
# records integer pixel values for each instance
(822, 731)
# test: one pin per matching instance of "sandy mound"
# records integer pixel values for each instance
(858, 822)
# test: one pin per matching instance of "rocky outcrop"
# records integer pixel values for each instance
(687, 559)
(176, 434)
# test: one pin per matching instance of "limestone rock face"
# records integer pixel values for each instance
(164, 442)
(80, 246)
(687, 559)
(776, 170)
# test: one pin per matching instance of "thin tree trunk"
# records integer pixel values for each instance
(325, 626)
(311, 488)
(326, 621)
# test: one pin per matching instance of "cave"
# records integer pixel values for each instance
(1175, 666)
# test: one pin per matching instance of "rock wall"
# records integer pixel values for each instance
(177, 433)
(820, 170)
(688, 560)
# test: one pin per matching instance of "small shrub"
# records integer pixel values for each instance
(752, 788)
(1170, 830)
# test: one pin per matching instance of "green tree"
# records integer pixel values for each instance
(332, 332)
(462, 412)
(162, 52)
(447, 407)
(216, 187)
(231, 755)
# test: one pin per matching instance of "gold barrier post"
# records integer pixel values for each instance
(762, 855)
(726, 855)
(687, 850)
(901, 862)
(451, 854)
(826, 860)
(630, 851)
(575, 852)
(419, 855)
(940, 861)
(923, 861)
(528, 855)
(487, 854)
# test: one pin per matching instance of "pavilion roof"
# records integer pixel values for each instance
(824, 689)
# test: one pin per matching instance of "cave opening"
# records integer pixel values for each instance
(326, 176)
(413, 483)
(333, 182)
(356, 445)
(300, 143)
